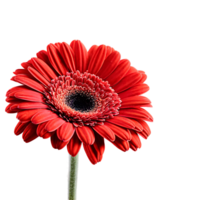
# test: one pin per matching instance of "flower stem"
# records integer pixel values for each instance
(73, 177)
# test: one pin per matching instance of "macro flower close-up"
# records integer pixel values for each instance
(74, 97)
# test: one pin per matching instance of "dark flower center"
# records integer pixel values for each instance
(80, 101)
(83, 99)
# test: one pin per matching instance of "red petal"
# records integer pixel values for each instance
(10, 108)
(42, 55)
(56, 59)
(28, 82)
(147, 130)
(138, 126)
(145, 76)
(97, 59)
(43, 68)
(56, 143)
(127, 82)
(54, 124)
(119, 72)
(132, 147)
(7, 109)
(26, 115)
(95, 153)
(105, 132)
(29, 133)
(42, 132)
(135, 140)
(119, 132)
(135, 90)
(109, 65)
(110, 49)
(68, 56)
(22, 71)
(38, 76)
(121, 121)
(15, 89)
(80, 55)
(31, 105)
(91, 52)
(137, 113)
(14, 107)
(43, 116)
(121, 144)
(74, 145)
(27, 64)
(85, 134)
(131, 70)
(12, 100)
(135, 101)
(28, 95)
(65, 132)
(20, 128)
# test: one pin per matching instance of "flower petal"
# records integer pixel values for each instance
(147, 131)
(43, 55)
(143, 79)
(10, 93)
(26, 115)
(68, 56)
(23, 79)
(38, 76)
(136, 90)
(132, 147)
(119, 72)
(20, 128)
(31, 105)
(56, 59)
(54, 124)
(109, 65)
(127, 82)
(91, 52)
(11, 109)
(27, 64)
(105, 132)
(42, 133)
(137, 113)
(43, 68)
(65, 132)
(43, 116)
(135, 140)
(85, 134)
(56, 143)
(109, 51)
(121, 144)
(121, 121)
(80, 55)
(21, 71)
(135, 101)
(29, 133)
(28, 95)
(131, 70)
(95, 153)
(138, 126)
(74, 145)
(119, 132)
(97, 59)
(14, 107)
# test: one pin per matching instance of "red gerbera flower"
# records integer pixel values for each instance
(77, 96)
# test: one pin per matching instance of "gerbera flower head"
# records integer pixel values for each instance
(76, 96)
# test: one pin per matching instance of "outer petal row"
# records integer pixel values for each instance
(95, 151)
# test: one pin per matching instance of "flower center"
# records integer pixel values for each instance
(82, 99)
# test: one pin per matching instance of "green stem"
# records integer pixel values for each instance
(73, 177)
